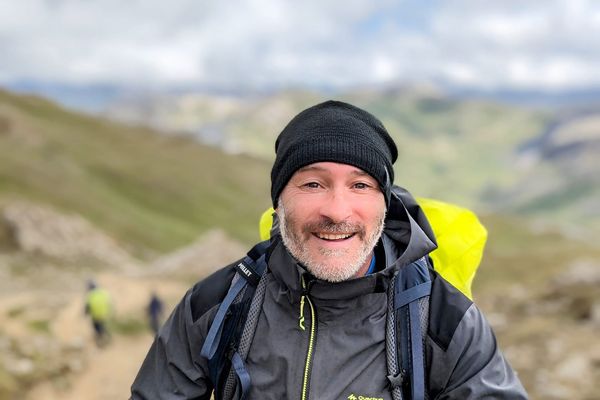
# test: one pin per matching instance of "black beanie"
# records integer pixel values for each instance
(338, 132)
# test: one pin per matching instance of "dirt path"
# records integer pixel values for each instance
(111, 371)
(107, 373)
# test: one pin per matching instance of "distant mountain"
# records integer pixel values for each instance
(151, 192)
(98, 97)
(87, 98)
(566, 98)
(559, 173)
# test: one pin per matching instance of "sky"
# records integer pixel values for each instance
(257, 44)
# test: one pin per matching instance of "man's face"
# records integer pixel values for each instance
(331, 216)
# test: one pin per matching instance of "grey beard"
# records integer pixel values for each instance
(323, 270)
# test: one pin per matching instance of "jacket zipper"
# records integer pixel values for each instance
(312, 338)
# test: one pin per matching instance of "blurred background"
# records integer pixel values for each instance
(136, 140)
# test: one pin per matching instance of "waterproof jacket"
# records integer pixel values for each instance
(341, 353)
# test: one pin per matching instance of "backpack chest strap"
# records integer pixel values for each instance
(411, 295)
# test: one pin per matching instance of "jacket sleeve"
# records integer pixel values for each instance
(476, 369)
(173, 368)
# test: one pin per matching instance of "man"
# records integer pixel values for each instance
(155, 312)
(344, 233)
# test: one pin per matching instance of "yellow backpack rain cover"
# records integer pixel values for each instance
(460, 237)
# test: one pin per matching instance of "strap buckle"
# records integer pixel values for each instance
(397, 380)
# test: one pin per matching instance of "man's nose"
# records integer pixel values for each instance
(337, 206)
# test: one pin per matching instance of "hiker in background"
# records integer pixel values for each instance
(342, 302)
(155, 311)
(99, 308)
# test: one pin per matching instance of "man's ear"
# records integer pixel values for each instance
(275, 226)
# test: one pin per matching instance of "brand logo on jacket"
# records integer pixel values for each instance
(352, 396)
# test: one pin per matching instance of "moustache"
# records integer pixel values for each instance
(328, 226)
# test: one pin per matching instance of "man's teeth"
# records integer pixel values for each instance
(331, 236)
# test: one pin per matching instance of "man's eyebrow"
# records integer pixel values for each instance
(357, 171)
(312, 168)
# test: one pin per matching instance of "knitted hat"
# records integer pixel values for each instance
(337, 132)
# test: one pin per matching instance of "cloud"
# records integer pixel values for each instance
(258, 43)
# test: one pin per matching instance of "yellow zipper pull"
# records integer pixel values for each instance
(301, 318)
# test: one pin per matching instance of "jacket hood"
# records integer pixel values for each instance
(407, 236)
(408, 228)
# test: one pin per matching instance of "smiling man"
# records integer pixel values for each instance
(348, 306)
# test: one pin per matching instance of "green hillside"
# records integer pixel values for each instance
(152, 192)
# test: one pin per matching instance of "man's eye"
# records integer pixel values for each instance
(312, 185)
(360, 185)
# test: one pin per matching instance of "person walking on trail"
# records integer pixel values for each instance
(342, 302)
(155, 311)
(98, 307)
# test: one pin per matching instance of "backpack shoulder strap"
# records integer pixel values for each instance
(412, 288)
(211, 290)
(223, 335)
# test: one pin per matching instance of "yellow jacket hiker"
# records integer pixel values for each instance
(98, 306)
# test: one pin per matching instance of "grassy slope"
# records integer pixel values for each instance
(152, 192)
(518, 254)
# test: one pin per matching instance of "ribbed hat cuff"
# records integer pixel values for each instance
(334, 148)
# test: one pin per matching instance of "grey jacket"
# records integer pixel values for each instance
(346, 358)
